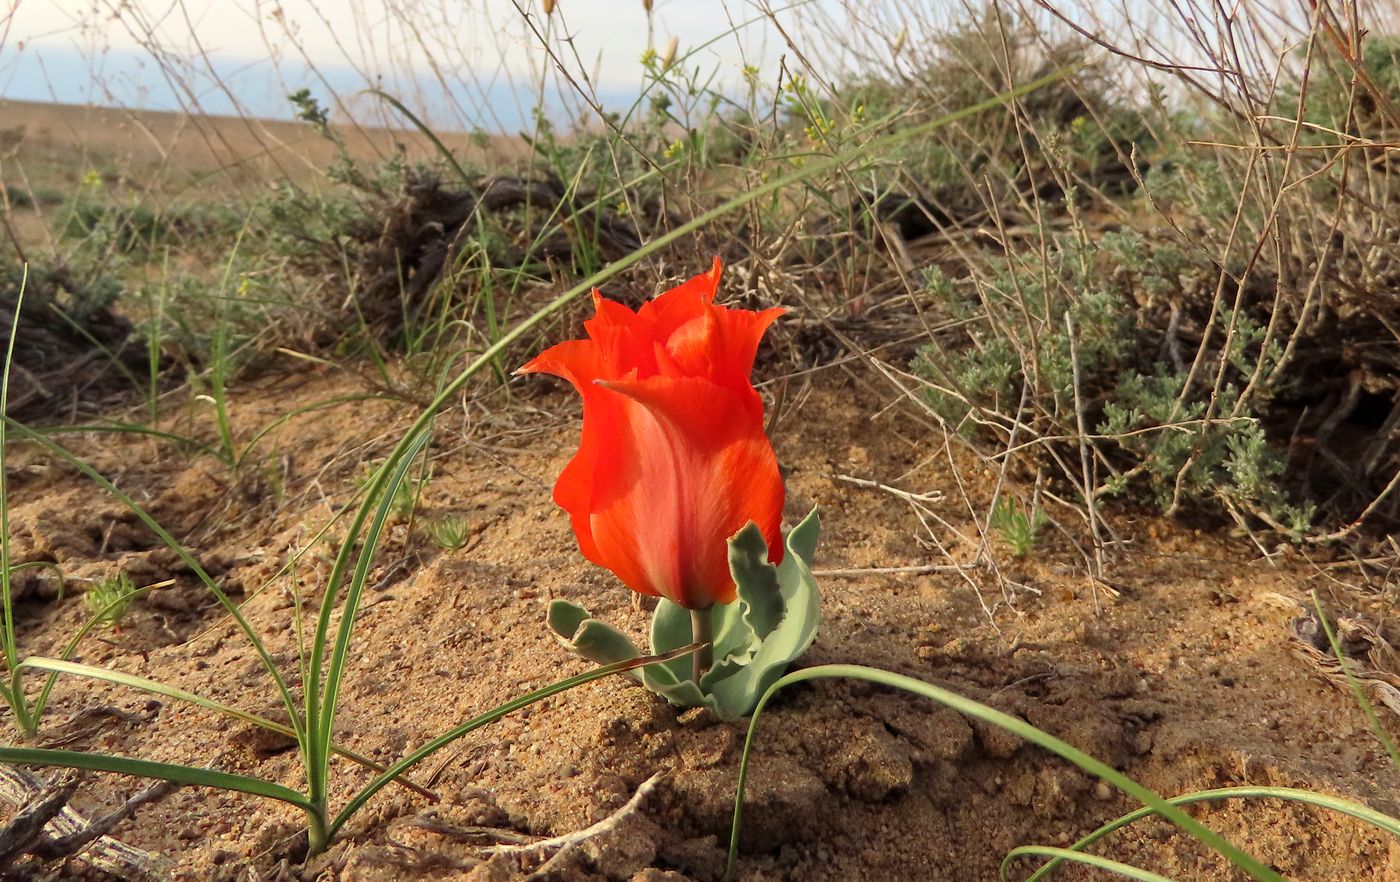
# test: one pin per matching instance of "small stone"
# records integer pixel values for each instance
(996, 742)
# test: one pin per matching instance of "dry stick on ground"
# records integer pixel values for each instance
(45, 808)
(1085, 459)
(556, 849)
(563, 846)
(923, 570)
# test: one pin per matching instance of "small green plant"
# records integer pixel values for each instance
(1050, 339)
(108, 600)
(450, 533)
(1017, 525)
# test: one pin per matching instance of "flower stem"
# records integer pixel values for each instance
(701, 631)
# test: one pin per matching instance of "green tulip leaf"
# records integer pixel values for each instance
(670, 628)
(737, 688)
(771, 622)
(802, 542)
(590, 638)
(757, 581)
(681, 693)
(565, 618)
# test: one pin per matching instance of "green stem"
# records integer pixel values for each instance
(701, 631)
(318, 834)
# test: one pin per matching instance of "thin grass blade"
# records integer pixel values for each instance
(427, 132)
(63, 666)
(321, 697)
(117, 426)
(122, 765)
(1127, 871)
(1356, 689)
(14, 692)
(1307, 797)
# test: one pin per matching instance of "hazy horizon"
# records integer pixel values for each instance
(463, 66)
(121, 79)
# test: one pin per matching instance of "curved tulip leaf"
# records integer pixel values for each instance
(737, 688)
(760, 597)
(681, 693)
(771, 622)
(802, 542)
(590, 638)
(670, 628)
(565, 618)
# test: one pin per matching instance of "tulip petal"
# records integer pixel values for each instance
(740, 332)
(577, 361)
(700, 290)
(573, 360)
(704, 339)
(701, 469)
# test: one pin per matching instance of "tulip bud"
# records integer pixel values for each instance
(669, 55)
(548, 6)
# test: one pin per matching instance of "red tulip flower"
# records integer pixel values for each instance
(673, 460)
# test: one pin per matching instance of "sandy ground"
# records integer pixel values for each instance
(1180, 674)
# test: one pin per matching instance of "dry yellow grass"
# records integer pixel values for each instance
(55, 145)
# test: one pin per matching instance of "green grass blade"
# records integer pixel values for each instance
(1015, 725)
(77, 328)
(1307, 797)
(72, 646)
(44, 565)
(326, 694)
(1064, 854)
(123, 765)
(300, 411)
(451, 735)
(219, 353)
(427, 132)
(13, 693)
(63, 666)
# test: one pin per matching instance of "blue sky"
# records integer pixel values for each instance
(464, 63)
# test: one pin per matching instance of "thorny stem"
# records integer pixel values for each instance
(702, 632)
